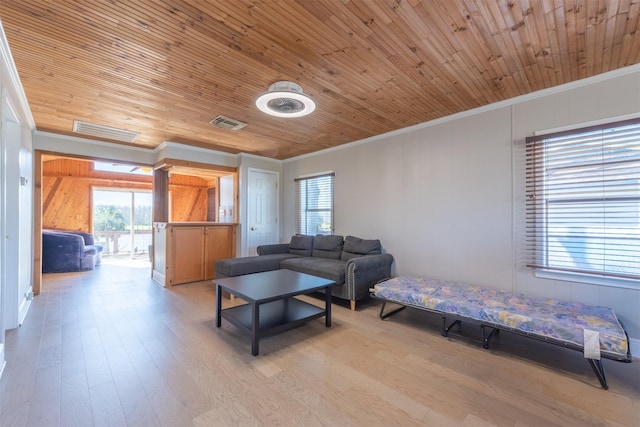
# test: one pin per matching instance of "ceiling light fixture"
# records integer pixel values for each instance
(285, 99)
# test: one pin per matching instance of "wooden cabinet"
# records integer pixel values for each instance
(186, 252)
(218, 245)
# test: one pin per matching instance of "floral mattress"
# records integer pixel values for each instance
(561, 321)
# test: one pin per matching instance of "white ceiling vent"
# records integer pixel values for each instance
(106, 132)
(227, 123)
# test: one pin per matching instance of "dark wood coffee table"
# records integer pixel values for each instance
(271, 306)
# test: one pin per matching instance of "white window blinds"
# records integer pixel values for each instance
(583, 200)
(314, 204)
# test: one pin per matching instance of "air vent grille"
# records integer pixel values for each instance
(106, 132)
(227, 123)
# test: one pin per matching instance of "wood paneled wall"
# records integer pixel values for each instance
(188, 203)
(67, 188)
(188, 198)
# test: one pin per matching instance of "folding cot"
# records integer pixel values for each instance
(593, 330)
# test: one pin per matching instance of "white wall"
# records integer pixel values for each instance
(65, 144)
(444, 196)
(174, 150)
(614, 97)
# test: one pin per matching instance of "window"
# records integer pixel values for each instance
(583, 201)
(314, 204)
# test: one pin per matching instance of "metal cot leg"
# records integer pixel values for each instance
(384, 315)
(598, 368)
(486, 338)
(445, 328)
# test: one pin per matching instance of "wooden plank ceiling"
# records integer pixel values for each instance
(165, 68)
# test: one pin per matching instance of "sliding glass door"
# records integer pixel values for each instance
(122, 222)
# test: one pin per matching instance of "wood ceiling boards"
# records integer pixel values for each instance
(165, 68)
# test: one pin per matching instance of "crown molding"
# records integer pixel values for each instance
(7, 60)
(255, 156)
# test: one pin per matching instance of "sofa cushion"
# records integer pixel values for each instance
(327, 246)
(332, 269)
(355, 247)
(301, 245)
(246, 265)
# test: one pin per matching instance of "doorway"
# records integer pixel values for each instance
(122, 222)
(63, 188)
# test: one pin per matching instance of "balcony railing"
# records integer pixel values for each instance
(123, 243)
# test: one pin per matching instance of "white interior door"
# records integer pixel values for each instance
(25, 225)
(262, 209)
(11, 298)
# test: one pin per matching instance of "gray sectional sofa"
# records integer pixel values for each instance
(354, 264)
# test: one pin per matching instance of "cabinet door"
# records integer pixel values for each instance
(219, 245)
(188, 254)
(160, 253)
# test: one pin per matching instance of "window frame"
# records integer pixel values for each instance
(538, 201)
(302, 223)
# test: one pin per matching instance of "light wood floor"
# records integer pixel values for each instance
(111, 348)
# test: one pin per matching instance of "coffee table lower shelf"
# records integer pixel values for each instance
(273, 317)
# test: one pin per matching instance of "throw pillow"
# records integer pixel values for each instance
(301, 245)
(355, 247)
(327, 246)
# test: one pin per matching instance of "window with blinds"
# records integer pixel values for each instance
(583, 200)
(314, 204)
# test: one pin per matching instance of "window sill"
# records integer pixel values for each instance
(588, 279)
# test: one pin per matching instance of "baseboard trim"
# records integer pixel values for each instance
(159, 278)
(24, 308)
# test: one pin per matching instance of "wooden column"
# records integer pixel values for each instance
(160, 195)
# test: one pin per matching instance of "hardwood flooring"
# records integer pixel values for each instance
(111, 348)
